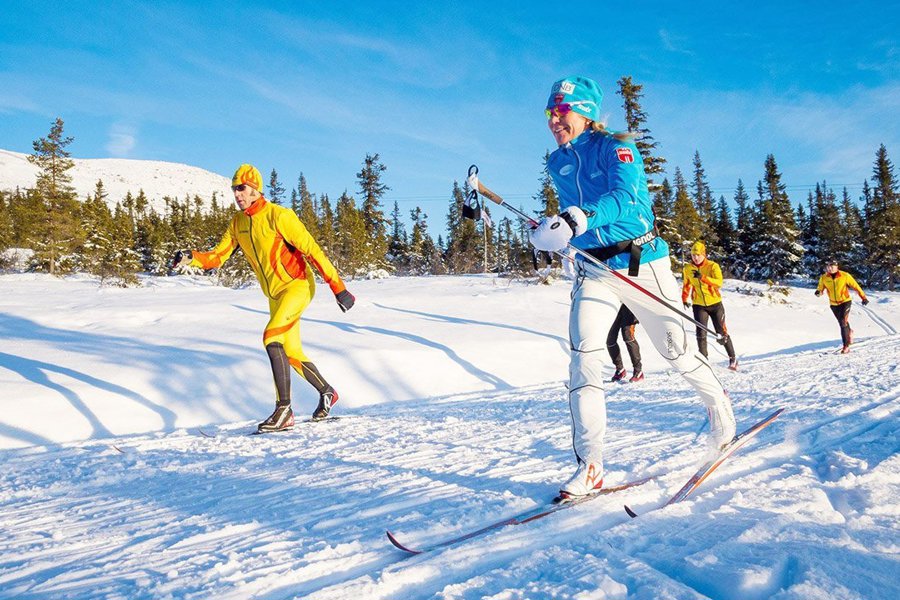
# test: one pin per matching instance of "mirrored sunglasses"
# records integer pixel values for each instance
(558, 110)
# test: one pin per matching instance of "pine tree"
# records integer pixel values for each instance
(59, 231)
(883, 227)
(635, 118)
(829, 228)
(776, 252)
(276, 190)
(371, 190)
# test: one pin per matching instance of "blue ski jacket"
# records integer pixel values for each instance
(605, 177)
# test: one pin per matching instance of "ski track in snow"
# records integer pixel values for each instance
(807, 510)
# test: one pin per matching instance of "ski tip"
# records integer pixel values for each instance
(630, 512)
(117, 449)
(400, 546)
(204, 434)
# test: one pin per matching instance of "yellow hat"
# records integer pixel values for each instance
(698, 248)
(248, 174)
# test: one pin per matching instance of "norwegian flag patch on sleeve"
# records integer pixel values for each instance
(625, 155)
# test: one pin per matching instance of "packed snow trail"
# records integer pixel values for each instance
(809, 508)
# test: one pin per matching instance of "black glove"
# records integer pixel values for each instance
(687, 305)
(696, 274)
(181, 258)
(865, 301)
(345, 300)
(818, 292)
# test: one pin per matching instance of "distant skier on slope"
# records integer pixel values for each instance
(280, 251)
(702, 288)
(606, 211)
(838, 284)
(625, 322)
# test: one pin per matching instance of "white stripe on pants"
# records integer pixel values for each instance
(596, 297)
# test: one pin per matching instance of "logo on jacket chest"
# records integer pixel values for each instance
(567, 170)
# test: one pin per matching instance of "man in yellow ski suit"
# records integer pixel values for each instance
(838, 284)
(281, 253)
(702, 284)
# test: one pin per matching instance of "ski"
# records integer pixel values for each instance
(706, 470)
(526, 517)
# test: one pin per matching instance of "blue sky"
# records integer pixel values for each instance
(433, 87)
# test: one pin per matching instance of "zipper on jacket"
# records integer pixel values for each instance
(262, 276)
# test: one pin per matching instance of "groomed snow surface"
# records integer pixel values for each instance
(453, 415)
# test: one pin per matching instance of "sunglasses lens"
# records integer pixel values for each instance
(239, 188)
(558, 109)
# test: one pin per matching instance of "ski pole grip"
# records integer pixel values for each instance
(489, 194)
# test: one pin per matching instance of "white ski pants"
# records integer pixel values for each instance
(596, 296)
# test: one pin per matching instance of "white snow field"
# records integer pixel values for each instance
(453, 415)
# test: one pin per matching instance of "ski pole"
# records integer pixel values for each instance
(487, 193)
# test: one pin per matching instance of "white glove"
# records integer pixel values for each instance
(473, 181)
(576, 219)
(551, 234)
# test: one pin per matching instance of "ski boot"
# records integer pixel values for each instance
(619, 375)
(587, 480)
(281, 419)
(638, 376)
(732, 364)
(326, 401)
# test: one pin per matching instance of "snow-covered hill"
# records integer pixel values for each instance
(454, 416)
(120, 176)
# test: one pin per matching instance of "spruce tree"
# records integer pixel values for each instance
(463, 253)
(852, 250)
(307, 209)
(744, 232)
(59, 231)
(686, 226)
(883, 227)
(398, 242)
(96, 221)
(703, 201)
(372, 190)
(663, 207)
(776, 252)
(351, 238)
(725, 233)
(547, 195)
(276, 190)
(6, 223)
(635, 118)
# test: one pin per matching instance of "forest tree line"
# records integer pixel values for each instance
(763, 238)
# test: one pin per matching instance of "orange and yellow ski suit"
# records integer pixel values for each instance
(703, 290)
(838, 287)
(280, 251)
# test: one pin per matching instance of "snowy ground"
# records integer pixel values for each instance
(454, 416)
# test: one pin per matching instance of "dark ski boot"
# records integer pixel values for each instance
(326, 401)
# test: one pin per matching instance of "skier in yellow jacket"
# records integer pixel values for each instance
(281, 253)
(838, 284)
(702, 285)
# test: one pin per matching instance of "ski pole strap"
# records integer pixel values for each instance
(633, 247)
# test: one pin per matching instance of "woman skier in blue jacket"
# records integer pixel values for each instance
(605, 210)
